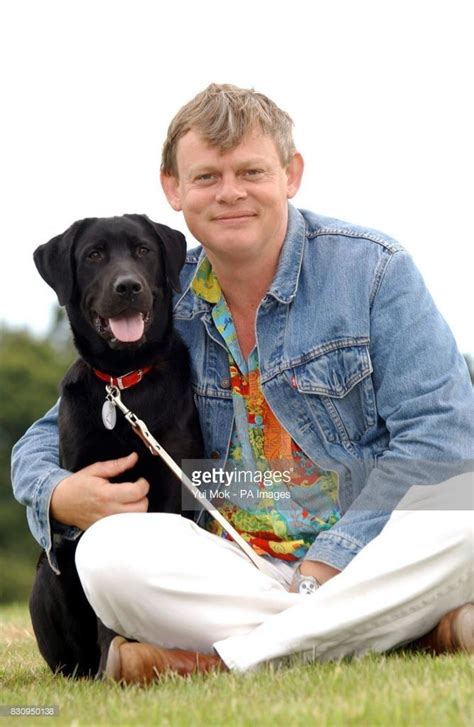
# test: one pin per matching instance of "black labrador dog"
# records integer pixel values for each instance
(115, 276)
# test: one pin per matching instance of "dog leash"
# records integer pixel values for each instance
(113, 398)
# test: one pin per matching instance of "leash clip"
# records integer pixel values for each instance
(139, 427)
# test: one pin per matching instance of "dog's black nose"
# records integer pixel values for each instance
(127, 286)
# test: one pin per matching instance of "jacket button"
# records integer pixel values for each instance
(225, 383)
(215, 455)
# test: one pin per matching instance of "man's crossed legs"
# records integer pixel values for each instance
(162, 580)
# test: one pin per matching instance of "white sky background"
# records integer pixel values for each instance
(380, 92)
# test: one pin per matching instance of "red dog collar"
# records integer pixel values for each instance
(126, 381)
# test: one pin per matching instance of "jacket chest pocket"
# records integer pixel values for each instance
(339, 393)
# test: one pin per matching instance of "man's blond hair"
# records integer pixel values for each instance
(223, 114)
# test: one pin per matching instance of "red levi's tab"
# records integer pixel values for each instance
(126, 381)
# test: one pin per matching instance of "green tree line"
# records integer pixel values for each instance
(31, 368)
(30, 371)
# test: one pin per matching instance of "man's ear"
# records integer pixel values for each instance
(294, 174)
(170, 186)
(173, 244)
(55, 261)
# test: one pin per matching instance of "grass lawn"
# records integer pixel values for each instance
(396, 689)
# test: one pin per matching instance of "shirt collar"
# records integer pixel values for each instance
(204, 284)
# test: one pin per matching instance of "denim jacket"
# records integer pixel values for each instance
(356, 363)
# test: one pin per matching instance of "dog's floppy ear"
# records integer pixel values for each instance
(55, 261)
(174, 248)
(174, 244)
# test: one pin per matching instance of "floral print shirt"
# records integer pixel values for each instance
(285, 499)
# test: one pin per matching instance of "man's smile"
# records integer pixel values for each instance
(234, 217)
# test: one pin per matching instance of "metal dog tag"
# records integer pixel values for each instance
(109, 414)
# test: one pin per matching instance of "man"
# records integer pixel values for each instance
(314, 344)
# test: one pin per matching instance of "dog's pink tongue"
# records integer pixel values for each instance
(127, 328)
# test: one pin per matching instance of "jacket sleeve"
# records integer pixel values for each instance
(35, 473)
(424, 396)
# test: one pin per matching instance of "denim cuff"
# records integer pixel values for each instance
(334, 550)
(44, 528)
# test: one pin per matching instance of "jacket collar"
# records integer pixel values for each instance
(285, 282)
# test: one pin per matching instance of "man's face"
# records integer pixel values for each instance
(234, 203)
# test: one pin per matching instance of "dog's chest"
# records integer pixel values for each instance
(85, 438)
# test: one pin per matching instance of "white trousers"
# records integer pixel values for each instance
(161, 579)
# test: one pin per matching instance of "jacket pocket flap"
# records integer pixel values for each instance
(334, 373)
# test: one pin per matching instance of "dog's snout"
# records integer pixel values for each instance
(127, 286)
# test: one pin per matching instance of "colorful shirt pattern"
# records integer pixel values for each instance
(277, 515)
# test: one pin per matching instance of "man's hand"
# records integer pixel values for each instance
(88, 495)
(321, 571)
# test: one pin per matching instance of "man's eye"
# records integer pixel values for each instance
(94, 256)
(253, 172)
(142, 250)
(204, 177)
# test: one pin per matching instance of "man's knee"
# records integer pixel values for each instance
(110, 550)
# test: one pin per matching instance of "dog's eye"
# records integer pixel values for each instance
(94, 256)
(142, 250)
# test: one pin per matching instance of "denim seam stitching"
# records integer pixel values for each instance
(339, 424)
(314, 354)
(211, 393)
(379, 278)
(338, 392)
(340, 540)
(390, 246)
